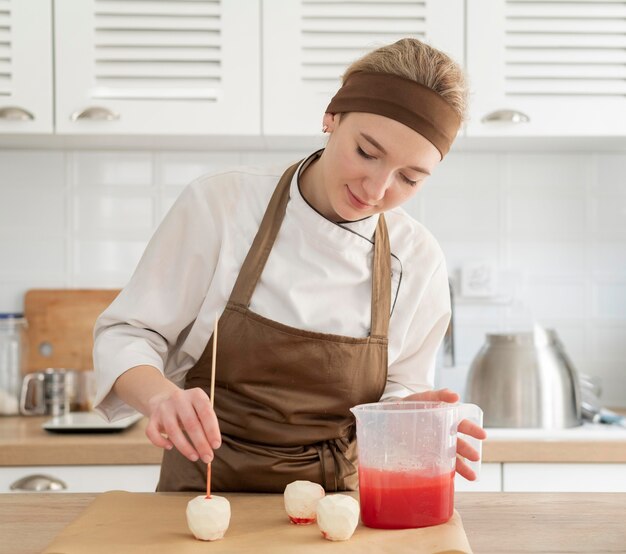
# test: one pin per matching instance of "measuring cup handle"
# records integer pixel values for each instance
(39, 406)
(475, 414)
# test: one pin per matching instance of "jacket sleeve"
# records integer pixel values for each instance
(161, 300)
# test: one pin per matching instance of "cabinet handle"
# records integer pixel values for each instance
(15, 113)
(95, 113)
(38, 483)
(508, 116)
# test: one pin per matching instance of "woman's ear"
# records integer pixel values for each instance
(329, 122)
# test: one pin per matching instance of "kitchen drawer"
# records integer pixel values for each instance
(88, 478)
(490, 480)
(524, 477)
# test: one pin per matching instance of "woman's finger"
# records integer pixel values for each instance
(468, 427)
(206, 415)
(176, 435)
(154, 435)
(464, 470)
(195, 431)
(464, 449)
(440, 395)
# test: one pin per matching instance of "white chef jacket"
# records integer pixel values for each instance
(318, 278)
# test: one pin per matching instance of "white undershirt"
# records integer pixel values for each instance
(317, 278)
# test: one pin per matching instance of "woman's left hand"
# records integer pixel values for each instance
(467, 427)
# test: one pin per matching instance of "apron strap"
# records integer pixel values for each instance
(338, 472)
(381, 281)
(263, 241)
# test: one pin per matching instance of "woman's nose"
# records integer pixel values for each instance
(376, 186)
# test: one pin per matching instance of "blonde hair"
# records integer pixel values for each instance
(416, 60)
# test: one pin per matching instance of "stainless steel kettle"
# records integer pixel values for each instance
(525, 380)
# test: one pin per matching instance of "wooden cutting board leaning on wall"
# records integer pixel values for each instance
(60, 327)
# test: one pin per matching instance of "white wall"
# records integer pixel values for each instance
(553, 223)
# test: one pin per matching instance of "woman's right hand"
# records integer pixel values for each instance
(176, 412)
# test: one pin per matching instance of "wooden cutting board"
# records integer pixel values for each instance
(60, 327)
(155, 523)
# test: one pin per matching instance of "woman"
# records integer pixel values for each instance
(325, 302)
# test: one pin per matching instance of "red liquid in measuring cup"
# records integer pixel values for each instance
(405, 499)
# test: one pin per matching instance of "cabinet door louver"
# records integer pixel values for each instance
(325, 37)
(333, 34)
(25, 66)
(157, 50)
(562, 63)
(565, 48)
(5, 50)
(158, 66)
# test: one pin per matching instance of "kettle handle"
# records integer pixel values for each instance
(39, 407)
(475, 414)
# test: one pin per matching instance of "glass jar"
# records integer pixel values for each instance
(12, 333)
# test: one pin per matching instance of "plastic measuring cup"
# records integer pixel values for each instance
(407, 460)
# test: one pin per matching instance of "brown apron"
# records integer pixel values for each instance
(282, 395)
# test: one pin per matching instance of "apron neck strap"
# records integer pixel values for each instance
(381, 281)
(264, 241)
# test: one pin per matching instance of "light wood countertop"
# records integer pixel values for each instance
(24, 443)
(495, 523)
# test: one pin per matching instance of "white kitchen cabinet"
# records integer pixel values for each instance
(144, 478)
(88, 478)
(308, 45)
(157, 67)
(25, 66)
(573, 477)
(561, 64)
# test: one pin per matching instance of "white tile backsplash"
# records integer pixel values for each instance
(609, 216)
(556, 300)
(550, 214)
(553, 224)
(608, 257)
(32, 194)
(608, 343)
(611, 171)
(113, 259)
(459, 252)
(548, 173)
(609, 300)
(466, 215)
(180, 168)
(112, 168)
(29, 256)
(101, 214)
(552, 258)
(467, 171)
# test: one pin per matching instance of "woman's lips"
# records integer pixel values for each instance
(358, 204)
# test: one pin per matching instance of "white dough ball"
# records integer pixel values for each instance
(337, 517)
(301, 498)
(208, 518)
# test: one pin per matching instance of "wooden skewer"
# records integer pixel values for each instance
(213, 362)
(213, 358)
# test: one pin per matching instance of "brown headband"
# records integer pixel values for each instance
(404, 100)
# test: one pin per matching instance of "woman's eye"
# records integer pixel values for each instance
(407, 180)
(363, 154)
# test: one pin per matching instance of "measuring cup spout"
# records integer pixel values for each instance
(357, 415)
